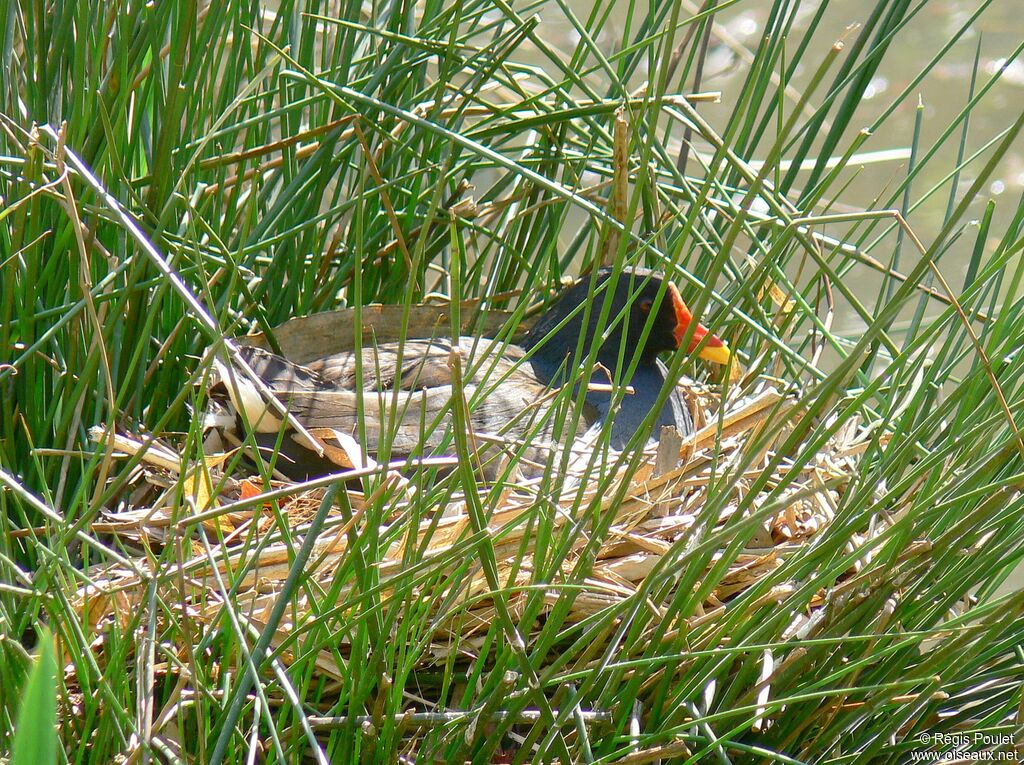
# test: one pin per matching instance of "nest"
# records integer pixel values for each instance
(652, 509)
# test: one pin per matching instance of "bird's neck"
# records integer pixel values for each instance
(553, 369)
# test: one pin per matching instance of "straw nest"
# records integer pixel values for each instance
(658, 505)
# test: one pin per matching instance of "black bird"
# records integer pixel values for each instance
(406, 388)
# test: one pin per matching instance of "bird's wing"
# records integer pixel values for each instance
(279, 373)
(420, 419)
(414, 381)
(417, 364)
(412, 411)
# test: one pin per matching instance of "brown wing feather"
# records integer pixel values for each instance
(507, 399)
(424, 364)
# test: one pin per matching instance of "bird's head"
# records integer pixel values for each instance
(639, 293)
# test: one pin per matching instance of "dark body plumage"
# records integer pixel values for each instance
(556, 344)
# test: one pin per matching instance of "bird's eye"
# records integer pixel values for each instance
(645, 305)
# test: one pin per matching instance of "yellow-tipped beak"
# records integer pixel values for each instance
(719, 354)
(714, 349)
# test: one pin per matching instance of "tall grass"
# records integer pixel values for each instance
(315, 155)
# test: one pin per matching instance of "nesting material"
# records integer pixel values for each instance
(228, 530)
(656, 510)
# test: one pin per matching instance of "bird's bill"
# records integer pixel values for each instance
(714, 349)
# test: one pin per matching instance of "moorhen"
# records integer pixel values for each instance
(509, 387)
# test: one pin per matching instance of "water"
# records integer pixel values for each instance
(942, 94)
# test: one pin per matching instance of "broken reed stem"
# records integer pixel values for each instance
(618, 204)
